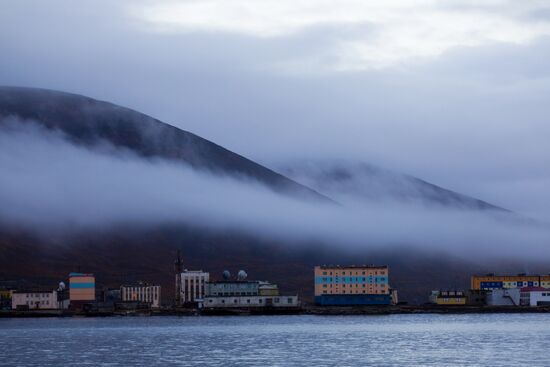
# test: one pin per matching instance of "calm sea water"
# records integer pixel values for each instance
(396, 340)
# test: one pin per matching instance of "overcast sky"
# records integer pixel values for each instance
(454, 92)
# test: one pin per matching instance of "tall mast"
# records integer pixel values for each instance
(178, 268)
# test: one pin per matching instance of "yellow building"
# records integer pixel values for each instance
(448, 298)
(490, 281)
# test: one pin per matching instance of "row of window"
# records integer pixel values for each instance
(369, 279)
(356, 292)
(356, 285)
(275, 300)
(38, 295)
(356, 273)
(231, 294)
(32, 303)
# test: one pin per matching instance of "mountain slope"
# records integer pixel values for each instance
(88, 121)
(349, 182)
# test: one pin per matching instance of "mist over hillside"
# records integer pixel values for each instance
(349, 182)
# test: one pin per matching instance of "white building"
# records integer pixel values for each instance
(250, 301)
(34, 300)
(192, 285)
(142, 292)
(535, 296)
(503, 297)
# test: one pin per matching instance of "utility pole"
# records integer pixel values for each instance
(178, 267)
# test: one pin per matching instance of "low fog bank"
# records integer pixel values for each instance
(49, 184)
(360, 183)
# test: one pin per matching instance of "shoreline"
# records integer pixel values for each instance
(306, 310)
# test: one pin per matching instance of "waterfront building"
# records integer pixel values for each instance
(491, 281)
(352, 285)
(81, 289)
(192, 287)
(503, 297)
(242, 293)
(222, 302)
(448, 298)
(534, 296)
(144, 293)
(190, 284)
(34, 300)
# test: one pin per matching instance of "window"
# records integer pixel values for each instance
(289, 300)
(276, 300)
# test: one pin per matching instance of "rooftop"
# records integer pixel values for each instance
(80, 275)
(235, 281)
(353, 266)
(22, 291)
(534, 289)
(491, 275)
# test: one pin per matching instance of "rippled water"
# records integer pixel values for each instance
(396, 340)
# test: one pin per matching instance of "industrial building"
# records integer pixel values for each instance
(353, 285)
(190, 284)
(492, 281)
(34, 300)
(81, 289)
(448, 298)
(534, 296)
(193, 285)
(503, 297)
(242, 293)
(144, 293)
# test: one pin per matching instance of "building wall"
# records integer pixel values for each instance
(35, 300)
(450, 301)
(448, 297)
(143, 293)
(509, 281)
(268, 289)
(193, 285)
(503, 297)
(232, 288)
(81, 287)
(250, 301)
(335, 280)
(353, 299)
(535, 298)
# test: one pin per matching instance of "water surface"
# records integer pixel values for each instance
(393, 340)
